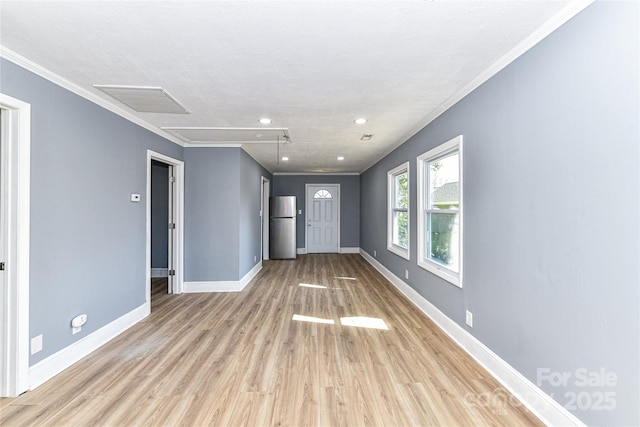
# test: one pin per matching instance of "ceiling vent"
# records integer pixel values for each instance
(366, 137)
(144, 99)
(228, 135)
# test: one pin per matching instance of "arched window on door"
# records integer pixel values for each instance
(322, 194)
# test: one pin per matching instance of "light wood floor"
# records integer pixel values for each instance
(240, 359)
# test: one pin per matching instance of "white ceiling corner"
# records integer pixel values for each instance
(398, 64)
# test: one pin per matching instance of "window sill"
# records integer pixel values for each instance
(442, 272)
(401, 252)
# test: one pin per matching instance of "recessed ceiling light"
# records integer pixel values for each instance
(285, 159)
(265, 121)
(341, 158)
(360, 121)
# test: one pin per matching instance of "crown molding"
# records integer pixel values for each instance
(31, 66)
(211, 145)
(317, 173)
(555, 22)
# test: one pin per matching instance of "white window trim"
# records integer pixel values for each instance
(455, 278)
(398, 250)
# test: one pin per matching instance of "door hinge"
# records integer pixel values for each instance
(1, 266)
(172, 226)
(172, 272)
(172, 179)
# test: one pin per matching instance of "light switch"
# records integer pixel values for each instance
(135, 197)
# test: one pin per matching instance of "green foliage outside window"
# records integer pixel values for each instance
(441, 234)
(402, 217)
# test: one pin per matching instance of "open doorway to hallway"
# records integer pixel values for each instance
(265, 193)
(165, 201)
(161, 226)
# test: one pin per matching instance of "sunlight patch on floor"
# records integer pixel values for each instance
(301, 318)
(355, 321)
(309, 285)
(364, 322)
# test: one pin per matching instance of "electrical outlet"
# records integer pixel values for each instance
(469, 320)
(375, 254)
(255, 258)
(77, 322)
(406, 274)
(36, 344)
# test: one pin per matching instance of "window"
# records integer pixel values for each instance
(398, 215)
(440, 211)
(322, 194)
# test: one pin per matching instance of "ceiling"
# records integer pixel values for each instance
(312, 67)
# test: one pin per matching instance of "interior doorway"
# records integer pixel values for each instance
(15, 142)
(3, 244)
(265, 193)
(323, 218)
(161, 219)
(165, 204)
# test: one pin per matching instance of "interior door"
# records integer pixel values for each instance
(323, 203)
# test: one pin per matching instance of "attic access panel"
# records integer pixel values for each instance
(144, 99)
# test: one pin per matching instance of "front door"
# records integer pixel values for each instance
(323, 202)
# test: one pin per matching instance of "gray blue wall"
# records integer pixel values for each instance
(294, 185)
(222, 206)
(250, 188)
(87, 239)
(159, 215)
(211, 221)
(551, 209)
(551, 186)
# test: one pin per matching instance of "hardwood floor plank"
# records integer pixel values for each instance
(323, 340)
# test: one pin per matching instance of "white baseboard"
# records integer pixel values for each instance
(534, 398)
(159, 272)
(349, 250)
(58, 362)
(218, 286)
(302, 251)
(222, 286)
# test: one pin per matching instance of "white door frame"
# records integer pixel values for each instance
(265, 192)
(178, 211)
(307, 207)
(15, 169)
